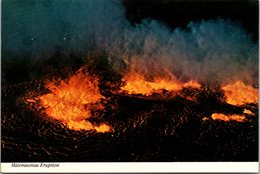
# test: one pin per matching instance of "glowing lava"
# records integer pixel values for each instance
(71, 102)
(240, 93)
(137, 84)
(75, 100)
(246, 111)
(233, 117)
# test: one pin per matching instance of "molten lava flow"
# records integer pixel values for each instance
(233, 117)
(136, 84)
(240, 93)
(71, 102)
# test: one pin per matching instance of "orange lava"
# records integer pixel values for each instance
(71, 102)
(137, 84)
(239, 93)
(246, 111)
(233, 117)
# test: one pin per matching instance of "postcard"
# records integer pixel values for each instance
(104, 86)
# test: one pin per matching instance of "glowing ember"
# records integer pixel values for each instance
(103, 128)
(233, 117)
(246, 111)
(192, 84)
(240, 93)
(136, 84)
(204, 118)
(72, 100)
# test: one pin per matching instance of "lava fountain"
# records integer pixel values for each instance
(73, 101)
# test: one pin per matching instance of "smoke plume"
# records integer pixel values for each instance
(214, 51)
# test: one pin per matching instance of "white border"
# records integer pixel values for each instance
(166, 167)
(141, 167)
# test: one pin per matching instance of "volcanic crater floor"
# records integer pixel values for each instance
(145, 129)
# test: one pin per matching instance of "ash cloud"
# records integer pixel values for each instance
(215, 51)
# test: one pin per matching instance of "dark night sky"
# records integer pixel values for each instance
(177, 13)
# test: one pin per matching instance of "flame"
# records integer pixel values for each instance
(233, 117)
(72, 100)
(239, 93)
(137, 84)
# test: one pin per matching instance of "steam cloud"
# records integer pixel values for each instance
(216, 51)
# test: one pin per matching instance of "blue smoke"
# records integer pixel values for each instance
(215, 51)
